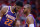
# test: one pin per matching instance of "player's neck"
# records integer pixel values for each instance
(27, 14)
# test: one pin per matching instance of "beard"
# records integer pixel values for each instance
(25, 12)
(15, 10)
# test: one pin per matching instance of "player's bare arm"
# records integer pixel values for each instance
(3, 11)
(30, 21)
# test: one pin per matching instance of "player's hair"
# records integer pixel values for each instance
(28, 6)
(19, 3)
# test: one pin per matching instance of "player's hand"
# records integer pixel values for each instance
(17, 23)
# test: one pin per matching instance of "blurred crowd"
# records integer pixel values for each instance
(35, 6)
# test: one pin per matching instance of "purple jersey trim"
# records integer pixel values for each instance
(34, 20)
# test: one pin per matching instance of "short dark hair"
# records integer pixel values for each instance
(19, 3)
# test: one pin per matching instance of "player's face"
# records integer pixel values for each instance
(18, 8)
(25, 10)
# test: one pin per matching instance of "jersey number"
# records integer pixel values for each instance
(6, 22)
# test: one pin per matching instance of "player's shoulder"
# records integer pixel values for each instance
(4, 9)
(5, 6)
(30, 16)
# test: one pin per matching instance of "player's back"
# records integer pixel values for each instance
(8, 19)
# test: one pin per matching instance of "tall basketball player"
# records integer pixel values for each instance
(8, 14)
(29, 17)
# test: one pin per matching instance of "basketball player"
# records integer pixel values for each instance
(29, 17)
(8, 14)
